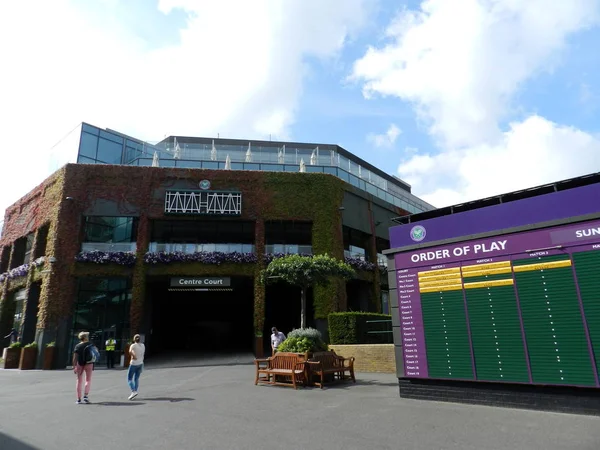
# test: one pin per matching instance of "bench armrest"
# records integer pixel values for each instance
(261, 363)
(343, 361)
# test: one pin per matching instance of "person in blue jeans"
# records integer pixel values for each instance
(136, 366)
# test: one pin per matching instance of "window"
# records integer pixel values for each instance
(288, 232)
(110, 229)
(42, 241)
(28, 248)
(102, 307)
(89, 129)
(109, 152)
(88, 145)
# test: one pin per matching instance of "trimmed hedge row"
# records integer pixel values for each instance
(352, 328)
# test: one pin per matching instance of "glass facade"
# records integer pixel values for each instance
(104, 147)
(109, 229)
(102, 308)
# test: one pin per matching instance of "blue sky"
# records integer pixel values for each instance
(482, 96)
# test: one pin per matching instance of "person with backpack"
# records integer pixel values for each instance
(84, 357)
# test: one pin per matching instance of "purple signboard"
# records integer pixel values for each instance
(430, 280)
(555, 206)
(525, 242)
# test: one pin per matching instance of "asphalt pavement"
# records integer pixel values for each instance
(218, 407)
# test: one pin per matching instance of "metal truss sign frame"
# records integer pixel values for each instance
(220, 203)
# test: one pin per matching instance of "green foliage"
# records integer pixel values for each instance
(306, 270)
(32, 345)
(352, 328)
(310, 333)
(15, 345)
(302, 345)
(51, 344)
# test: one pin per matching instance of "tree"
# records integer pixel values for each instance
(306, 271)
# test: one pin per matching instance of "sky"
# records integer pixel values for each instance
(462, 99)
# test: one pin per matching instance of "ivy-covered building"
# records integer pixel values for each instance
(167, 240)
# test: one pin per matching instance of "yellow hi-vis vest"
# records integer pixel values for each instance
(110, 345)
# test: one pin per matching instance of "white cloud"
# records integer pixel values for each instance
(460, 64)
(239, 74)
(387, 139)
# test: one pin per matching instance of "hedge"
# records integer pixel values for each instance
(352, 328)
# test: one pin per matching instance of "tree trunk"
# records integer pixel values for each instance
(303, 307)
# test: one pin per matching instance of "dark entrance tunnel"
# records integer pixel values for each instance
(282, 310)
(200, 321)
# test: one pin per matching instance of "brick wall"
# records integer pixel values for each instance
(369, 357)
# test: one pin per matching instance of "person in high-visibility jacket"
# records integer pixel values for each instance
(110, 346)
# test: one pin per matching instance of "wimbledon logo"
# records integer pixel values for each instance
(418, 233)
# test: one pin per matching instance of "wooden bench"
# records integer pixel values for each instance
(329, 363)
(288, 365)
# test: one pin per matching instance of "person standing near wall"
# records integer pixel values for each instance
(109, 346)
(136, 366)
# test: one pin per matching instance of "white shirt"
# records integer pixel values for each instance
(277, 339)
(138, 350)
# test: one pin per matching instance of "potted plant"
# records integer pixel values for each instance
(49, 355)
(13, 355)
(28, 356)
(304, 341)
(258, 343)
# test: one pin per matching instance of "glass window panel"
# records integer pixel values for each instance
(272, 167)
(291, 168)
(330, 170)
(189, 164)
(109, 152)
(237, 166)
(84, 160)
(371, 189)
(251, 166)
(343, 175)
(167, 162)
(210, 165)
(88, 145)
(145, 162)
(89, 129)
(353, 180)
(314, 169)
(111, 137)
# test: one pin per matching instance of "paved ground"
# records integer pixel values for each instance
(218, 407)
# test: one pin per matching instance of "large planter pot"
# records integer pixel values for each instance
(28, 358)
(259, 350)
(13, 355)
(49, 355)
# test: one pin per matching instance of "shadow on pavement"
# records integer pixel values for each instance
(9, 443)
(116, 404)
(170, 399)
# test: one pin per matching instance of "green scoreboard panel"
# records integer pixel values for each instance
(525, 318)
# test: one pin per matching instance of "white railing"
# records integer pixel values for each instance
(288, 249)
(108, 246)
(156, 247)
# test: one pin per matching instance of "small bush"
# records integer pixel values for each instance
(51, 344)
(310, 333)
(32, 345)
(15, 345)
(303, 340)
(352, 328)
